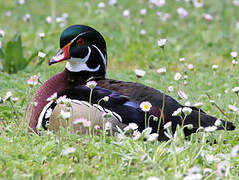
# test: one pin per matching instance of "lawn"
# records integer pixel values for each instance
(200, 42)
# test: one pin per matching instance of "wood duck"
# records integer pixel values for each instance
(84, 50)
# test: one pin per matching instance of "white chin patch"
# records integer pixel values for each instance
(79, 64)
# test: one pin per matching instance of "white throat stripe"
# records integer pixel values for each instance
(78, 64)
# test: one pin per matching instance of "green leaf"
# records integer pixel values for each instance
(14, 59)
(1, 59)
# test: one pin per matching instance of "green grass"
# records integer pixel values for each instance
(200, 42)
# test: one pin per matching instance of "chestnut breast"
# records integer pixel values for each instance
(57, 83)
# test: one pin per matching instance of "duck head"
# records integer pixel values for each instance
(84, 49)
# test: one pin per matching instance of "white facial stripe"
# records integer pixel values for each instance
(101, 54)
(78, 64)
(78, 36)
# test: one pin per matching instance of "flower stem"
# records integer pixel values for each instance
(161, 114)
(91, 90)
(53, 13)
(98, 103)
(103, 129)
(183, 119)
(199, 121)
(14, 112)
(149, 119)
(145, 120)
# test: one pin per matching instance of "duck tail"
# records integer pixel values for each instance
(197, 118)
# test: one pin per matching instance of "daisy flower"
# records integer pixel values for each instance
(126, 13)
(167, 125)
(2, 33)
(21, 2)
(106, 114)
(234, 62)
(236, 2)
(232, 108)
(41, 54)
(198, 3)
(27, 17)
(177, 76)
(215, 67)
(49, 19)
(235, 89)
(177, 112)
(158, 3)
(91, 84)
(183, 13)
(86, 123)
(190, 66)
(145, 106)
(97, 127)
(233, 54)
(68, 151)
(35, 104)
(187, 110)
(161, 70)
(143, 32)
(112, 2)
(14, 99)
(101, 5)
(52, 97)
(42, 35)
(140, 73)
(187, 103)
(79, 121)
(136, 135)
(152, 137)
(131, 126)
(181, 59)
(33, 81)
(108, 126)
(7, 96)
(62, 100)
(170, 89)
(143, 11)
(8, 13)
(162, 43)
(65, 114)
(198, 105)
(182, 95)
(208, 17)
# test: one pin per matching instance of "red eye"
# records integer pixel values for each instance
(80, 42)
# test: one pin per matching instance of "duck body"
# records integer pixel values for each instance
(128, 111)
(84, 49)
